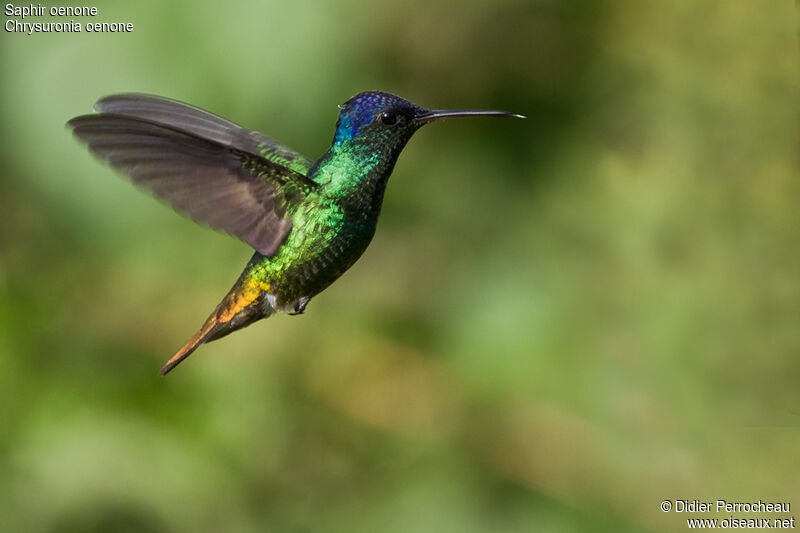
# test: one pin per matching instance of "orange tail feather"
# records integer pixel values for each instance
(243, 305)
(186, 350)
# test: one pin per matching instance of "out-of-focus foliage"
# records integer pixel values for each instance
(561, 321)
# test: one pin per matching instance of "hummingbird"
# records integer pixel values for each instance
(308, 221)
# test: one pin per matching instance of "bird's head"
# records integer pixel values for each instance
(383, 122)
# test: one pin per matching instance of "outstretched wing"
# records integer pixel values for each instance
(214, 171)
(206, 125)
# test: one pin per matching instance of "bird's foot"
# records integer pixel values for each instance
(300, 305)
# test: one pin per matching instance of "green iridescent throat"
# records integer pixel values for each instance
(333, 225)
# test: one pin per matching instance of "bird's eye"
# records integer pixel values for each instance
(389, 118)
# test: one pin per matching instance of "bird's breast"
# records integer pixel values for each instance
(322, 245)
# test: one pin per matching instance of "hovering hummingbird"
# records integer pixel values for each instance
(307, 220)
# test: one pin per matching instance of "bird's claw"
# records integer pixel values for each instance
(300, 306)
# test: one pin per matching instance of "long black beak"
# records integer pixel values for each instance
(441, 114)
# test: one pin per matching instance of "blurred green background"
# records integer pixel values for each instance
(560, 322)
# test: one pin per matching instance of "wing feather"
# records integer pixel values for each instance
(204, 124)
(199, 165)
